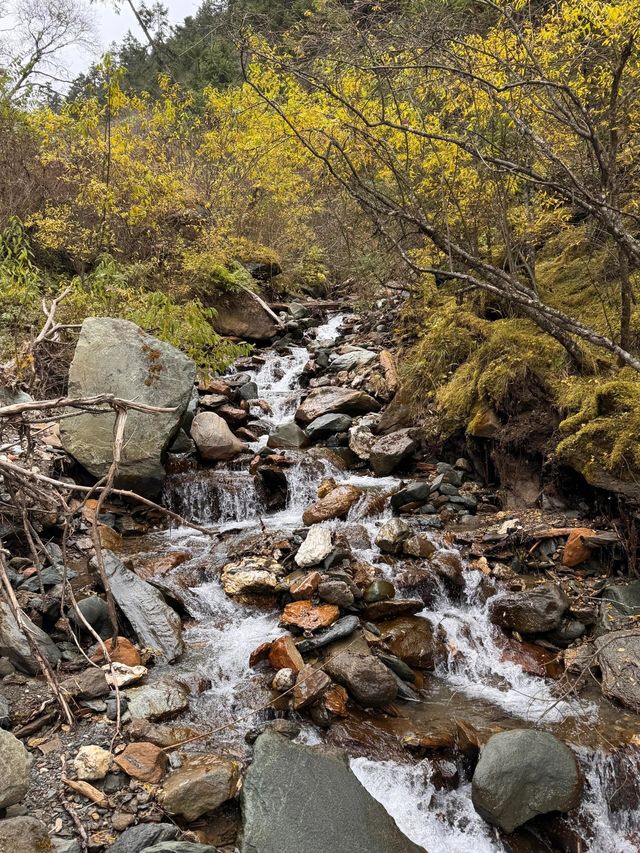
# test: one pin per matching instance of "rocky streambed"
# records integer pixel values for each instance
(365, 651)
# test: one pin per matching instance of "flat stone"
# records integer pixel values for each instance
(351, 360)
(307, 616)
(157, 626)
(251, 575)
(143, 761)
(392, 609)
(327, 425)
(140, 838)
(299, 799)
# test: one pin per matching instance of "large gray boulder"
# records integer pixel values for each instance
(298, 799)
(14, 645)
(117, 357)
(531, 611)
(523, 773)
(156, 625)
(161, 700)
(15, 763)
(23, 835)
(322, 401)
(213, 438)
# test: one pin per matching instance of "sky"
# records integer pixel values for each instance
(111, 26)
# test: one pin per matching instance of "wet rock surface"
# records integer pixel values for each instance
(284, 779)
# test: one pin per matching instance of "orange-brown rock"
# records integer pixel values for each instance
(335, 700)
(310, 685)
(109, 538)
(334, 505)
(260, 653)
(160, 566)
(306, 616)
(305, 586)
(143, 761)
(533, 659)
(283, 654)
(575, 551)
(326, 486)
(123, 652)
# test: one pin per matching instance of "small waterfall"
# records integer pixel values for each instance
(278, 381)
(327, 333)
(608, 813)
(214, 496)
(475, 663)
(441, 821)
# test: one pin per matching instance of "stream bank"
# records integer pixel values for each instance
(359, 594)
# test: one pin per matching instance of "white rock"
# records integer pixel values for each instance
(91, 763)
(123, 675)
(315, 547)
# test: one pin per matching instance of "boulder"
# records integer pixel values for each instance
(140, 838)
(117, 357)
(315, 548)
(618, 655)
(15, 763)
(531, 611)
(92, 763)
(251, 575)
(334, 505)
(242, 314)
(14, 644)
(523, 773)
(214, 439)
(410, 639)
(300, 799)
(392, 534)
(160, 701)
(322, 401)
(365, 677)
(390, 450)
(156, 625)
(288, 437)
(200, 785)
(327, 425)
(23, 835)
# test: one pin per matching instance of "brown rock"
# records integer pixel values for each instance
(283, 654)
(575, 551)
(335, 700)
(124, 652)
(334, 505)
(410, 639)
(259, 654)
(232, 414)
(160, 565)
(202, 784)
(392, 608)
(122, 820)
(310, 685)
(366, 678)
(419, 545)
(306, 616)
(305, 586)
(143, 761)
(109, 538)
(326, 486)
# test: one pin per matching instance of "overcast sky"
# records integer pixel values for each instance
(111, 27)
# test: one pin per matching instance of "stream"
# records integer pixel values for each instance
(474, 683)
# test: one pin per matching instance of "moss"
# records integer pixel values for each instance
(601, 433)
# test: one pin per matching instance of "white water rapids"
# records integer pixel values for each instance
(443, 821)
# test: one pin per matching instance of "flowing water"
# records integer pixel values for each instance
(474, 679)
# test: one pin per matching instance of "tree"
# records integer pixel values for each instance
(32, 49)
(469, 139)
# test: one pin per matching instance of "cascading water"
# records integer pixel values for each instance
(226, 632)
